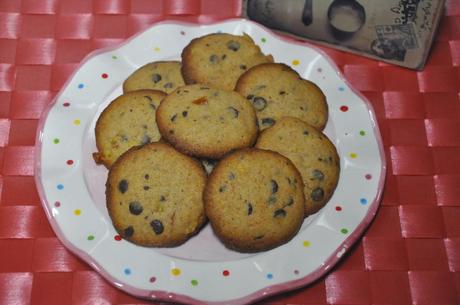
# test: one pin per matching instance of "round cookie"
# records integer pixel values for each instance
(276, 91)
(128, 121)
(254, 200)
(207, 122)
(160, 75)
(219, 59)
(154, 196)
(312, 153)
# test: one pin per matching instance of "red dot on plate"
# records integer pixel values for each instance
(69, 162)
(225, 273)
(338, 208)
(66, 104)
(117, 237)
(104, 75)
(344, 108)
(368, 176)
(57, 204)
(153, 279)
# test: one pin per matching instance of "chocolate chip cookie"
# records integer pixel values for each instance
(312, 153)
(254, 200)
(160, 75)
(154, 196)
(276, 91)
(128, 121)
(206, 122)
(219, 59)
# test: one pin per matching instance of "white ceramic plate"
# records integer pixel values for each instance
(202, 270)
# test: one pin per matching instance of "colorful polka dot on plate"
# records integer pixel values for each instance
(344, 108)
(76, 122)
(362, 133)
(152, 279)
(104, 75)
(117, 238)
(353, 155)
(269, 276)
(127, 271)
(175, 271)
(263, 39)
(306, 243)
(69, 162)
(368, 176)
(338, 208)
(56, 141)
(225, 273)
(81, 86)
(77, 212)
(344, 230)
(66, 104)
(194, 282)
(57, 204)
(363, 201)
(90, 237)
(60, 186)
(341, 88)
(295, 62)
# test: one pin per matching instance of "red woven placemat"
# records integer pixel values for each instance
(409, 255)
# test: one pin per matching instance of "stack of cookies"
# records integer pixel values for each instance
(225, 135)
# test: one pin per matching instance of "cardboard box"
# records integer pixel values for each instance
(400, 32)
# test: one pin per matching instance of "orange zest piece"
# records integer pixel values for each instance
(201, 101)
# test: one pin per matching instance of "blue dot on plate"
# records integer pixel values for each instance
(127, 271)
(363, 201)
(60, 186)
(269, 276)
(341, 88)
(81, 86)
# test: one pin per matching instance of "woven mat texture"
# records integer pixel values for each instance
(409, 255)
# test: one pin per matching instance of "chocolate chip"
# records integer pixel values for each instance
(147, 176)
(146, 187)
(259, 103)
(224, 56)
(146, 139)
(272, 200)
(274, 186)
(214, 59)
(124, 138)
(157, 226)
(250, 208)
(148, 97)
(243, 67)
(162, 198)
(123, 186)
(156, 78)
(153, 106)
(128, 232)
(282, 92)
(173, 118)
(135, 207)
(168, 85)
(171, 131)
(231, 176)
(317, 194)
(259, 237)
(222, 188)
(305, 132)
(268, 121)
(250, 96)
(184, 114)
(234, 112)
(279, 213)
(233, 45)
(317, 175)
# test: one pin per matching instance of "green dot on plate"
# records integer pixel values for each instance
(194, 282)
(362, 132)
(264, 39)
(90, 237)
(114, 57)
(344, 231)
(56, 141)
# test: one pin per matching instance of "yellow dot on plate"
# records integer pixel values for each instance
(77, 212)
(353, 155)
(76, 122)
(306, 243)
(156, 49)
(295, 62)
(175, 271)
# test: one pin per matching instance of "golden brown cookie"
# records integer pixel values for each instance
(154, 195)
(207, 122)
(128, 121)
(218, 60)
(159, 75)
(312, 153)
(254, 200)
(276, 91)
